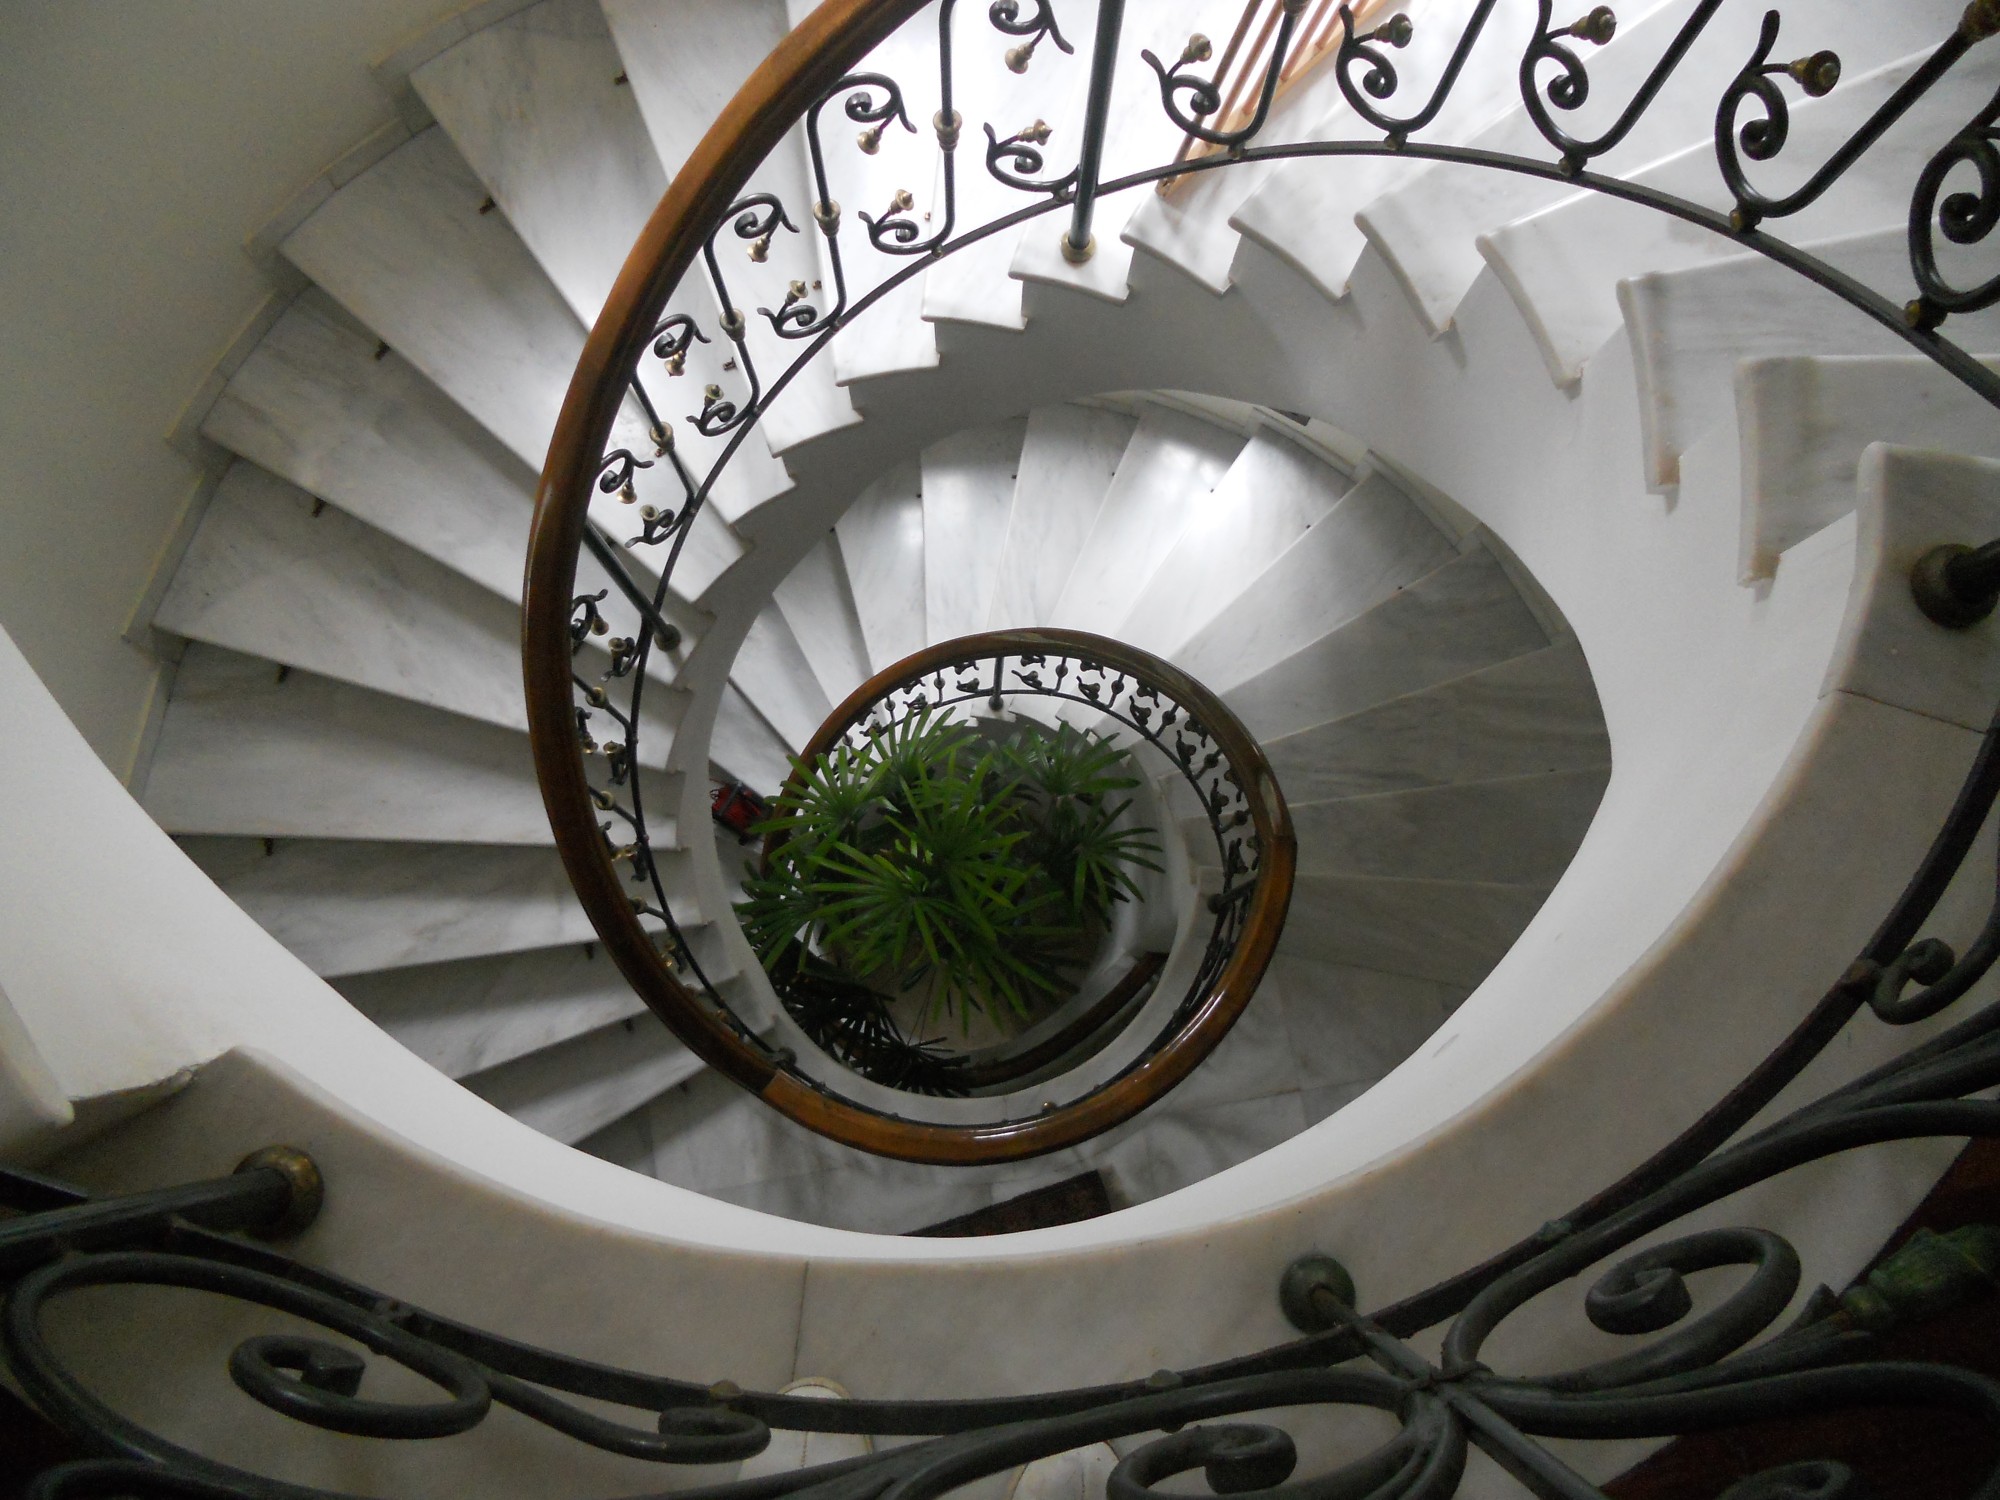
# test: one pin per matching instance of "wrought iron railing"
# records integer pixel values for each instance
(1144, 701)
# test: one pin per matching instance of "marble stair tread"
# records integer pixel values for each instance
(745, 746)
(1461, 617)
(1689, 328)
(1167, 474)
(1804, 422)
(1351, 1027)
(576, 1088)
(537, 104)
(968, 489)
(250, 748)
(1373, 543)
(1453, 931)
(1274, 493)
(818, 605)
(1304, 211)
(1562, 266)
(772, 672)
(354, 906)
(685, 60)
(1426, 225)
(1069, 457)
(1533, 713)
(882, 548)
(469, 1014)
(318, 404)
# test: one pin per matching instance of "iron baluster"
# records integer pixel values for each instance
(1078, 243)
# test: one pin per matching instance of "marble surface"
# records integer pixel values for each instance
(818, 605)
(687, 58)
(1348, 1026)
(466, 1015)
(1804, 421)
(1170, 469)
(1690, 328)
(1889, 651)
(882, 548)
(1522, 830)
(968, 488)
(1068, 460)
(772, 672)
(405, 249)
(314, 405)
(1563, 265)
(1374, 543)
(246, 751)
(745, 747)
(575, 1088)
(1274, 492)
(1458, 618)
(1534, 713)
(351, 906)
(1449, 930)
(533, 104)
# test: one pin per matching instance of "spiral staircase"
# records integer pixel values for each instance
(1550, 550)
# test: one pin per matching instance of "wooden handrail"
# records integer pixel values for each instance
(807, 63)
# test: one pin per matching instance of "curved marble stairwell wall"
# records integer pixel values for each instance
(1747, 841)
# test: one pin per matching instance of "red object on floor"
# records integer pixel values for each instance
(736, 808)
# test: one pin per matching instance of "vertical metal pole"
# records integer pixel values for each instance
(1078, 244)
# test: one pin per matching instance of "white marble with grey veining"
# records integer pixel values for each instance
(469, 1014)
(534, 104)
(1372, 544)
(351, 906)
(314, 404)
(1521, 830)
(1533, 713)
(1461, 617)
(1168, 473)
(773, 673)
(882, 548)
(1348, 1025)
(1068, 459)
(577, 1087)
(968, 485)
(250, 748)
(1804, 421)
(686, 59)
(1689, 328)
(1563, 265)
(1450, 930)
(817, 603)
(1272, 495)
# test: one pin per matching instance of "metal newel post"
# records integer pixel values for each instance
(1078, 243)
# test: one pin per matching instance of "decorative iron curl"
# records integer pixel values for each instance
(1007, 19)
(1964, 218)
(673, 338)
(1015, 162)
(1381, 82)
(1569, 88)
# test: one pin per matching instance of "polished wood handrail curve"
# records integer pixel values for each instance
(810, 60)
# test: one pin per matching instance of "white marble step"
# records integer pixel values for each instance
(1535, 713)
(1272, 495)
(1349, 1027)
(1068, 460)
(968, 487)
(685, 60)
(882, 548)
(352, 906)
(1374, 543)
(1563, 265)
(745, 747)
(772, 672)
(247, 747)
(1168, 473)
(1462, 617)
(577, 1087)
(1804, 422)
(1427, 223)
(536, 105)
(819, 606)
(1303, 212)
(470, 1014)
(1138, 135)
(273, 573)
(1521, 830)
(1452, 931)
(1690, 327)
